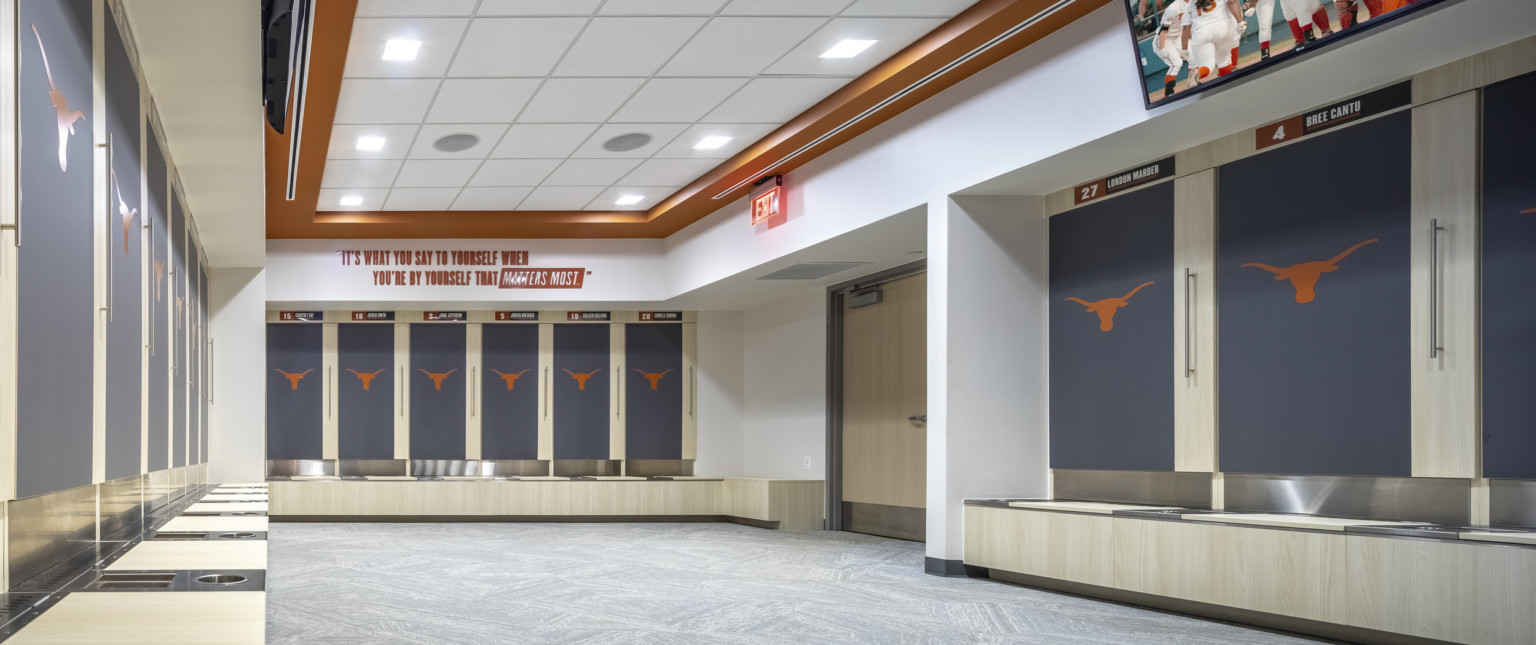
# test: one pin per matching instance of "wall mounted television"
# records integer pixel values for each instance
(1268, 32)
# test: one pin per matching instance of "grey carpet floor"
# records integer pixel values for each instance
(664, 583)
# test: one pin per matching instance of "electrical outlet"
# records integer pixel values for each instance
(807, 462)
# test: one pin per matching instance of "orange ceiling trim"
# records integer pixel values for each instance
(974, 27)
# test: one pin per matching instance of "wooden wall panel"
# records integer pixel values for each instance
(1433, 589)
(1194, 322)
(1444, 349)
(1063, 546)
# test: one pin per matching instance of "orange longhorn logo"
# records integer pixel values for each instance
(367, 377)
(66, 116)
(178, 311)
(1528, 211)
(509, 378)
(1107, 307)
(581, 379)
(437, 379)
(654, 378)
(159, 277)
(1304, 276)
(295, 378)
(122, 209)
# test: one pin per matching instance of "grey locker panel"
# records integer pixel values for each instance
(159, 307)
(207, 366)
(653, 395)
(580, 381)
(437, 391)
(1313, 288)
(1111, 333)
(179, 323)
(125, 235)
(365, 386)
(1509, 294)
(295, 391)
(56, 300)
(509, 415)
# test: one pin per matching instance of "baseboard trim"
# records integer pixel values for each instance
(952, 569)
(1218, 613)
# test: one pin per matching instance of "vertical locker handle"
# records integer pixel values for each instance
(549, 386)
(209, 375)
(401, 387)
(150, 226)
(1434, 288)
(327, 385)
(693, 392)
(618, 392)
(1190, 280)
(106, 302)
(474, 385)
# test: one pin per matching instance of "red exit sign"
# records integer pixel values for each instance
(767, 200)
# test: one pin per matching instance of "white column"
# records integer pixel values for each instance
(987, 358)
(237, 428)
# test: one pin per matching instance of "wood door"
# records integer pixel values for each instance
(885, 386)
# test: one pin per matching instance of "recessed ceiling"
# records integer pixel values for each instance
(545, 84)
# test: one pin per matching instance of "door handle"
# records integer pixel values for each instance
(921, 418)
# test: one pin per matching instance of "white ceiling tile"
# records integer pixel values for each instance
(436, 173)
(663, 7)
(489, 134)
(661, 135)
(439, 38)
(677, 100)
(650, 195)
(559, 198)
(538, 7)
(579, 100)
(513, 172)
(742, 135)
(784, 7)
(739, 46)
(409, 8)
(893, 34)
(500, 47)
(542, 141)
(590, 172)
(330, 199)
(420, 199)
(490, 199)
(773, 100)
(936, 8)
(627, 46)
(359, 173)
(481, 100)
(380, 100)
(397, 140)
(668, 172)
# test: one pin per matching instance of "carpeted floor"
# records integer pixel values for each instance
(664, 583)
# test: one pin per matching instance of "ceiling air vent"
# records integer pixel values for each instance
(811, 270)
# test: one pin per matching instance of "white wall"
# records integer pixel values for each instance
(721, 382)
(237, 310)
(786, 388)
(987, 358)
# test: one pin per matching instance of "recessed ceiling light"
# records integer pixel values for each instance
(711, 143)
(370, 143)
(629, 200)
(352, 200)
(848, 48)
(403, 49)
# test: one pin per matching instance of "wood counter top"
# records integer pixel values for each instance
(1290, 521)
(226, 507)
(235, 497)
(197, 554)
(140, 618)
(1084, 507)
(1506, 538)
(215, 523)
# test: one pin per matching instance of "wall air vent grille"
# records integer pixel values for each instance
(811, 270)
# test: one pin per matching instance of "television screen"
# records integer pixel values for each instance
(1185, 46)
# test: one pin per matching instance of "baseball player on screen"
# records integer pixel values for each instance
(1169, 46)
(1210, 37)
